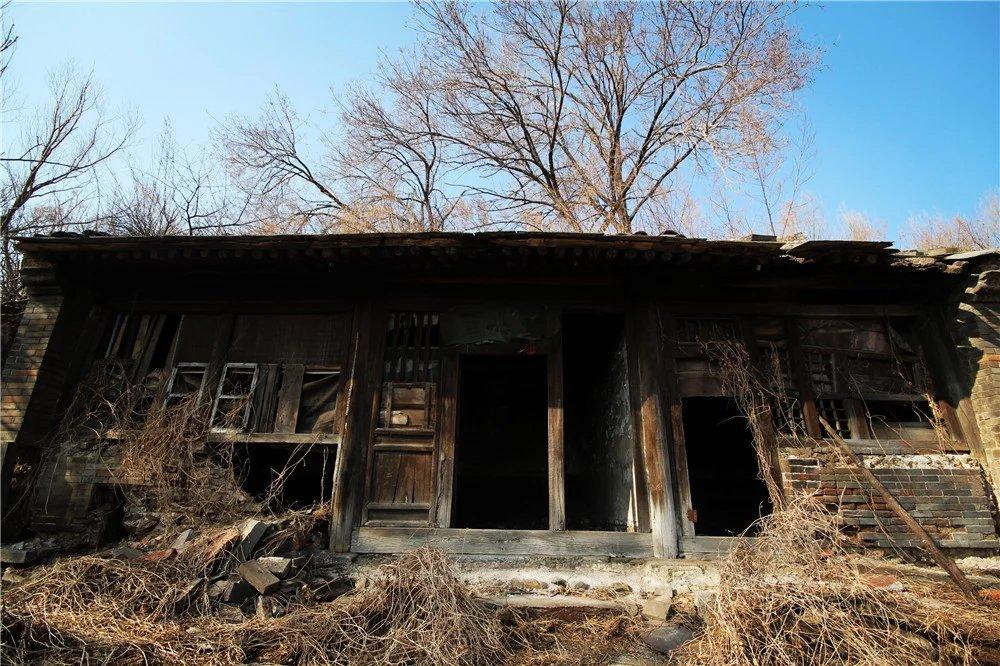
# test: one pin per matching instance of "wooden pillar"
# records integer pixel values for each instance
(348, 472)
(448, 428)
(676, 413)
(653, 433)
(556, 455)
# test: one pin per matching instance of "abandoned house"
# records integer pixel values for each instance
(523, 393)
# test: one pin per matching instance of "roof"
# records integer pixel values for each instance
(461, 247)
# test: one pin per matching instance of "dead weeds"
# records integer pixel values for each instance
(794, 595)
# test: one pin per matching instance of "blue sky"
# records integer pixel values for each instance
(905, 110)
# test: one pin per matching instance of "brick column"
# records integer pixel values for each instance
(978, 339)
(37, 367)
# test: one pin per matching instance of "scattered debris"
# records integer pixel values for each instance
(666, 639)
(262, 580)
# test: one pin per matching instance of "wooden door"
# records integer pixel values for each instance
(403, 452)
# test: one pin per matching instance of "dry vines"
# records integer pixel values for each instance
(414, 610)
(760, 399)
(795, 596)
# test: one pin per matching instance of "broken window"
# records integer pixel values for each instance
(186, 382)
(865, 375)
(776, 368)
(282, 476)
(318, 401)
(692, 344)
(412, 343)
(232, 403)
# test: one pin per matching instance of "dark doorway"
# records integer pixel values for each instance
(501, 460)
(601, 491)
(726, 490)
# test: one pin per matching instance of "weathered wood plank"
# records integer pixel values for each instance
(348, 479)
(511, 542)
(672, 390)
(653, 432)
(288, 398)
(708, 545)
(448, 424)
(556, 418)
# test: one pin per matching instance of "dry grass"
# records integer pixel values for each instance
(413, 611)
(795, 596)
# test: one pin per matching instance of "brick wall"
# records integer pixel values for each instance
(43, 361)
(946, 494)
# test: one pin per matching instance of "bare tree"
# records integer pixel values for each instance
(269, 163)
(7, 40)
(177, 194)
(56, 159)
(978, 232)
(857, 226)
(49, 170)
(394, 158)
(558, 115)
(581, 113)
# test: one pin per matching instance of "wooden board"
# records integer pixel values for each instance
(508, 542)
(288, 398)
(556, 418)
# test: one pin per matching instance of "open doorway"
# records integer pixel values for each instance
(501, 460)
(726, 490)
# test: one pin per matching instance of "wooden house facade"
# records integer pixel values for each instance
(526, 393)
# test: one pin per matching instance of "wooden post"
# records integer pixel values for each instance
(673, 400)
(448, 428)
(348, 480)
(916, 528)
(653, 431)
(556, 452)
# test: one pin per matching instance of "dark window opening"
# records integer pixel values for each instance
(318, 402)
(599, 436)
(165, 341)
(501, 462)
(901, 419)
(107, 513)
(284, 477)
(726, 490)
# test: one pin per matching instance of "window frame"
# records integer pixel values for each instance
(219, 395)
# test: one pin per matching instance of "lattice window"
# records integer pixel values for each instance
(412, 352)
(835, 412)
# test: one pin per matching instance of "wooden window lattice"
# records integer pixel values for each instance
(412, 347)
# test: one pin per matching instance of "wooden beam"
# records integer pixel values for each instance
(448, 429)
(348, 471)
(709, 546)
(803, 383)
(653, 431)
(289, 396)
(556, 449)
(686, 504)
(916, 528)
(565, 543)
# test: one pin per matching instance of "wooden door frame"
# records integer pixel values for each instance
(448, 414)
